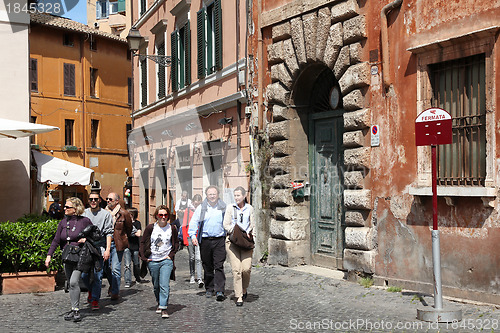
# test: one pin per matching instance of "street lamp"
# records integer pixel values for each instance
(135, 39)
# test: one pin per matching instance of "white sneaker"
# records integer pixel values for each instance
(192, 280)
(200, 283)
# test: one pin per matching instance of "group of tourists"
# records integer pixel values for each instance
(97, 240)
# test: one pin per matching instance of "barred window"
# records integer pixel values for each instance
(458, 86)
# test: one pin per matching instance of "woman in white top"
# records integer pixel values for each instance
(240, 214)
(159, 244)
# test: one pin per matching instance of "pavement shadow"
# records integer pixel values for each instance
(172, 308)
(417, 296)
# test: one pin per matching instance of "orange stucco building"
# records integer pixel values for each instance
(80, 81)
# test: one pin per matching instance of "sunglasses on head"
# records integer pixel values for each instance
(68, 207)
(162, 215)
(93, 199)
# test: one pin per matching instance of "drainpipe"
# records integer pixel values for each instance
(260, 98)
(82, 61)
(385, 40)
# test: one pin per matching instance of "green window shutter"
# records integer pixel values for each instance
(201, 43)
(161, 72)
(218, 34)
(144, 82)
(121, 6)
(173, 68)
(187, 53)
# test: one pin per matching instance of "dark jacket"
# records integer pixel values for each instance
(70, 226)
(145, 245)
(123, 228)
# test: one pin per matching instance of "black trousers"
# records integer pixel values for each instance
(213, 255)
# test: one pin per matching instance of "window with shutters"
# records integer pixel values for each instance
(69, 79)
(160, 50)
(68, 40)
(458, 87)
(142, 6)
(94, 133)
(101, 9)
(113, 7)
(93, 82)
(68, 132)
(144, 81)
(181, 57)
(209, 35)
(34, 75)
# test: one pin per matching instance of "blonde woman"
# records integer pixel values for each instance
(239, 214)
(158, 246)
(67, 235)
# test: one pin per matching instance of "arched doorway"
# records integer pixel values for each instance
(325, 136)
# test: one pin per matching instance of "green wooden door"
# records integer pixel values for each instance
(327, 213)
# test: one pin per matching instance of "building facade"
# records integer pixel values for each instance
(14, 154)
(80, 81)
(190, 123)
(328, 71)
(113, 17)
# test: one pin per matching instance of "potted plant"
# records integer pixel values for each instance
(23, 248)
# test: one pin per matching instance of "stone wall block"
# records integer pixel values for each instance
(281, 31)
(353, 179)
(293, 213)
(277, 93)
(279, 131)
(354, 29)
(354, 100)
(356, 53)
(279, 165)
(357, 218)
(360, 238)
(298, 40)
(282, 181)
(357, 120)
(310, 22)
(288, 253)
(359, 260)
(283, 113)
(290, 57)
(280, 73)
(281, 197)
(344, 10)
(357, 158)
(275, 53)
(353, 139)
(342, 63)
(355, 76)
(357, 199)
(289, 230)
(324, 24)
(333, 45)
(282, 148)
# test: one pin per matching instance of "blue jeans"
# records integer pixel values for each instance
(129, 257)
(160, 276)
(95, 287)
(114, 273)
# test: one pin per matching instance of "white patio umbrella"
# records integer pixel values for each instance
(19, 129)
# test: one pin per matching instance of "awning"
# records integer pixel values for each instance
(19, 129)
(57, 171)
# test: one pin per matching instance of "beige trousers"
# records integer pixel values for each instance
(241, 264)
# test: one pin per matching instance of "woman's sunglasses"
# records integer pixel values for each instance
(162, 215)
(68, 207)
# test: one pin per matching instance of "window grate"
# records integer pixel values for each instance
(459, 88)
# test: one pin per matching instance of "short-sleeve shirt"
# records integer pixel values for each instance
(161, 242)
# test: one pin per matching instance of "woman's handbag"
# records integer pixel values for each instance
(71, 253)
(240, 238)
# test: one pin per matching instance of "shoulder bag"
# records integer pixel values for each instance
(240, 238)
(70, 253)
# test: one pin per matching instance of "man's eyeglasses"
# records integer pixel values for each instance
(109, 199)
(93, 199)
(68, 207)
(162, 215)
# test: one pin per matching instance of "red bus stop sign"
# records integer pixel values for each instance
(433, 127)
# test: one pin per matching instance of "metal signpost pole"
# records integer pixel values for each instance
(434, 127)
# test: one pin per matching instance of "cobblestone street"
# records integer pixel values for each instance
(280, 300)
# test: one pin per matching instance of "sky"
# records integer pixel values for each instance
(72, 9)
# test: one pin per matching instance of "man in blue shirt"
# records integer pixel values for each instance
(206, 231)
